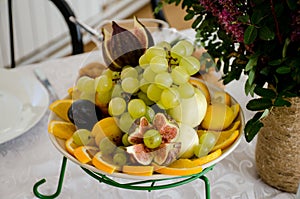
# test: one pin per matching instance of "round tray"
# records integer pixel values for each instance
(60, 145)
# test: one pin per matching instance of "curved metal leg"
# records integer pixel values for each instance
(59, 186)
(207, 186)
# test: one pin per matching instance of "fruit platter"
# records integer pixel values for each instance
(148, 114)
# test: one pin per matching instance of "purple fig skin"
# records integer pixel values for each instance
(125, 48)
(139, 30)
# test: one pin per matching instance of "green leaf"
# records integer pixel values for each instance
(257, 16)
(189, 16)
(196, 22)
(266, 34)
(259, 104)
(283, 70)
(244, 18)
(251, 76)
(275, 62)
(249, 89)
(252, 127)
(265, 92)
(250, 34)
(282, 102)
(252, 62)
(292, 4)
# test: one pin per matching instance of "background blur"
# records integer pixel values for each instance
(40, 32)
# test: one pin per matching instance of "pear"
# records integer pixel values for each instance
(189, 139)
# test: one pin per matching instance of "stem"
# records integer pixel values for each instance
(276, 22)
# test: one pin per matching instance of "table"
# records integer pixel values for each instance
(31, 157)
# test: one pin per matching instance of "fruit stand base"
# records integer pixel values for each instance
(147, 185)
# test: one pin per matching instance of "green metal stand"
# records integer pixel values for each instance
(147, 185)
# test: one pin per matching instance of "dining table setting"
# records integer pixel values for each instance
(28, 155)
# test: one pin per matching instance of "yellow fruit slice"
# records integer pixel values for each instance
(102, 165)
(236, 110)
(218, 117)
(225, 139)
(221, 97)
(202, 86)
(138, 170)
(107, 127)
(61, 129)
(183, 163)
(232, 127)
(61, 107)
(70, 145)
(84, 154)
(179, 171)
(208, 158)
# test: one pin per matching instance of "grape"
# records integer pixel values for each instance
(154, 51)
(103, 83)
(82, 137)
(154, 92)
(208, 140)
(149, 75)
(106, 146)
(165, 45)
(191, 64)
(87, 96)
(152, 138)
(170, 98)
(143, 96)
(163, 80)
(189, 48)
(120, 158)
(201, 150)
(125, 140)
(136, 108)
(117, 91)
(125, 122)
(179, 49)
(144, 84)
(129, 72)
(179, 75)
(143, 62)
(186, 90)
(103, 97)
(150, 113)
(108, 73)
(86, 84)
(159, 64)
(116, 106)
(130, 84)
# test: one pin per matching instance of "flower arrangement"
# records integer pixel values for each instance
(259, 38)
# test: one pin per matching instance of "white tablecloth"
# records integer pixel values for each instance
(31, 157)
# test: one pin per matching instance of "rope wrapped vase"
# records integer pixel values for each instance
(278, 148)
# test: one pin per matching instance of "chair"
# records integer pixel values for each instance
(66, 11)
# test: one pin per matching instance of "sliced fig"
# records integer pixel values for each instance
(143, 34)
(168, 129)
(106, 52)
(126, 49)
(166, 153)
(140, 153)
(138, 129)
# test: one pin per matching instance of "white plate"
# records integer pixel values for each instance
(23, 102)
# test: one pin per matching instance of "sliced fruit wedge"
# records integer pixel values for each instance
(103, 165)
(208, 158)
(61, 129)
(177, 168)
(70, 145)
(61, 107)
(226, 138)
(138, 170)
(84, 154)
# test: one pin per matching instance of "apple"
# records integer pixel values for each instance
(190, 111)
(189, 139)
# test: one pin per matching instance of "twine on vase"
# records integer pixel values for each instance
(278, 148)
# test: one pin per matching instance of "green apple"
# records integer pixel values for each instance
(190, 111)
(189, 140)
